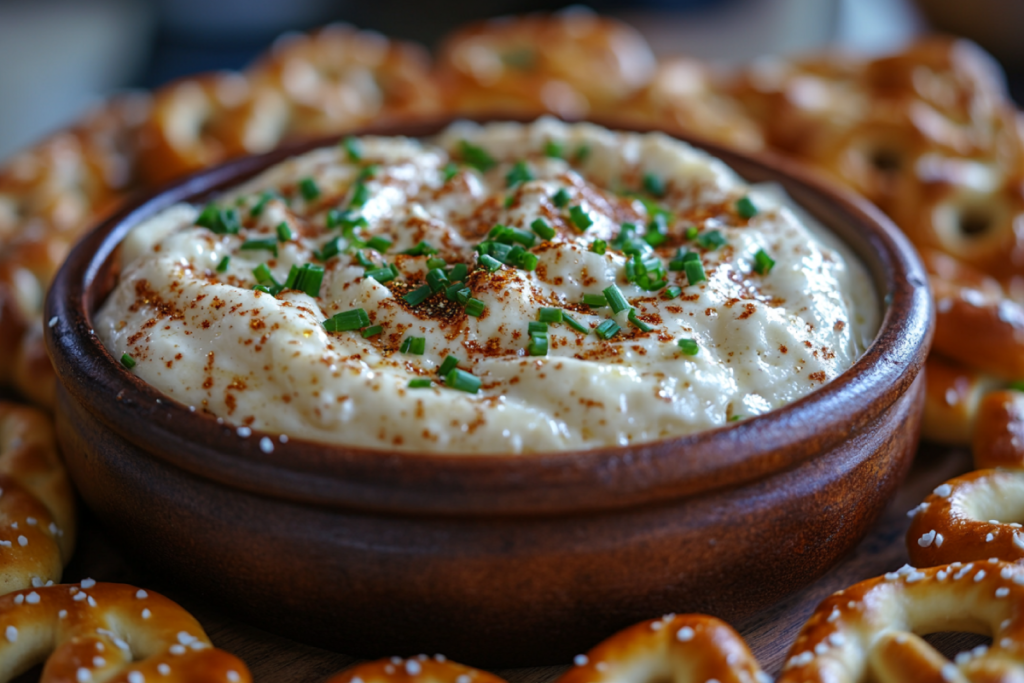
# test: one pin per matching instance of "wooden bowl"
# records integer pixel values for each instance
(493, 560)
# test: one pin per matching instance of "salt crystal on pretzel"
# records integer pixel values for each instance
(999, 431)
(420, 669)
(953, 394)
(107, 631)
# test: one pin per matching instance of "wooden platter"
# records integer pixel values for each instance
(769, 633)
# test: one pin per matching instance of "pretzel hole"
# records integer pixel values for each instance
(886, 160)
(974, 221)
(33, 675)
(951, 643)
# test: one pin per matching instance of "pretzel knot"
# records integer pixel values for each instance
(685, 648)
(107, 632)
(870, 631)
(37, 515)
(421, 669)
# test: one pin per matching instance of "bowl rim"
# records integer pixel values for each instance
(494, 485)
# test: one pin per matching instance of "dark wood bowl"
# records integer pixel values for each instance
(494, 560)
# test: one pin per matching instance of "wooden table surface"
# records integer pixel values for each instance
(770, 633)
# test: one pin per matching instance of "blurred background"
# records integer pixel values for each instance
(57, 57)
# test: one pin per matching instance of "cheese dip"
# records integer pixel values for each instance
(503, 288)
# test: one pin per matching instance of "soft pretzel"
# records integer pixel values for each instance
(953, 394)
(999, 431)
(338, 78)
(570, 63)
(871, 631)
(967, 518)
(108, 632)
(37, 505)
(683, 95)
(421, 669)
(198, 122)
(688, 648)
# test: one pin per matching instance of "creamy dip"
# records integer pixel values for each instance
(322, 299)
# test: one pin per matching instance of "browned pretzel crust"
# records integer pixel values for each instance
(421, 669)
(108, 632)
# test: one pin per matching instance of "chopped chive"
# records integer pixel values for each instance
(449, 171)
(735, 418)
(746, 208)
(522, 237)
(418, 296)
(582, 153)
(221, 222)
(599, 246)
(654, 185)
(475, 307)
(500, 251)
(477, 157)
(368, 172)
(363, 261)
(420, 384)
(554, 149)
(223, 265)
(1017, 385)
(382, 275)
(560, 198)
(607, 329)
(694, 271)
(549, 315)
(527, 261)
(437, 280)
(414, 345)
(763, 262)
(346, 321)
(671, 292)
(712, 239)
(449, 364)
(489, 262)
(262, 288)
(541, 227)
(381, 244)
(421, 249)
(435, 262)
(509, 201)
(309, 279)
(284, 233)
(538, 345)
(360, 193)
(536, 327)
(689, 346)
(268, 244)
(258, 207)
(595, 300)
(293, 275)
(657, 231)
(574, 324)
(345, 220)
(458, 271)
(127, 361)
(615, 299)
(691, 232)
(520, 173)
(353, 148)
(372, 331)
(309, 189)
(263, 274)
(462, 380)
(637, 322)
(580, 218)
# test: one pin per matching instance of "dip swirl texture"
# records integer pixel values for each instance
(321, 299)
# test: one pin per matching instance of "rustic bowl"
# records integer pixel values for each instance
(494, 560)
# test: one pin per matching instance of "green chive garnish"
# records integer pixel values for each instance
(449, 171)
(671, 292)
(421, 249)
(368, 172)
(580, 218)
(538, 345)
(520, 173)
(574, 324)
(763, 262)
(437, 280)
(353, 148)
(384, 274)
(654, 185)
(360, 193)
(694, 271)
(363, 261)
(527, 261)
(381, 244)
(607, 329)
(549, 315)
(560, 198)
(284, 233)
(347, 321)
(345, 220)
(541, 227)
(712, 239)
(458, 271)
(691, 232)
(223, 265)
(414, 345)
(537, 327)
(637, 322)
(308, 279)
(746, 208)
(372, 331)
(599, 246)
(127, 361)
(554, 149)
(462, 380)
(420, 384)
(688, 346)
(489, 263)
(475, 156)
(595, 300)
(435, 262)
(268, 244)
(418, 296)
(475, 307)
(615, 299)
(309, 189)
(582, 152)
(258, 207)
(221, 222)
(449, 364)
